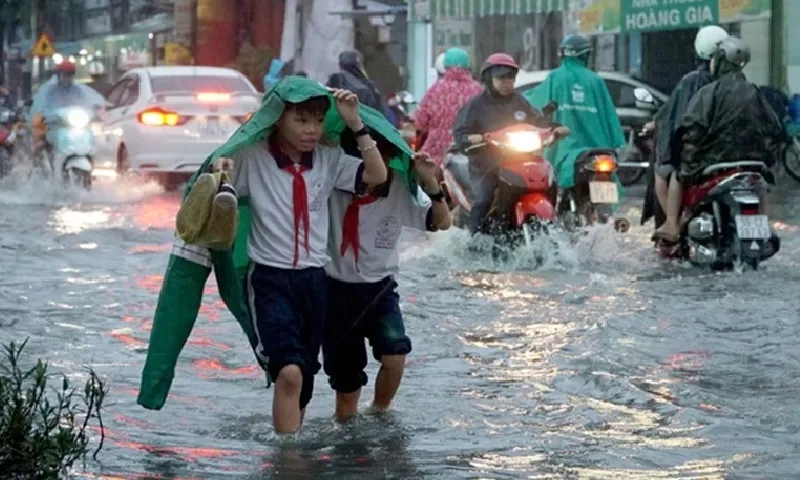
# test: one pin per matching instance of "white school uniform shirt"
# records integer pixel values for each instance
(379, 226)
(260, 175)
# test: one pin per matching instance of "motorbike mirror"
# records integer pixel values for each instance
(28, 103)
(405, 96)
(644, 99)
(550, 109)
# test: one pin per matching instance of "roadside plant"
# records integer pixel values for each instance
(44, 429)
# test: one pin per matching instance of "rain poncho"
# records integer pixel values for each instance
(52, 95)
(728, 121)
(439, 107)
(190, 265)
(352, 78)
(668, 120)
(585, 107)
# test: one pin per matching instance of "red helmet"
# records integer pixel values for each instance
(65, 67)
(499, 60)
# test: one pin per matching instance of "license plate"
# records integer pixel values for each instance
(603, 192)
(751, 227)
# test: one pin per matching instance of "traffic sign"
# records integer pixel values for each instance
(43, 47)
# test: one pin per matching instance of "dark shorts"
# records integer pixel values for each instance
(357, 311)
(288, 309)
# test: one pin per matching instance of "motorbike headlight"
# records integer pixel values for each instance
(524, 142)
(78, 119)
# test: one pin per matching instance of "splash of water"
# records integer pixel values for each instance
(22, 188)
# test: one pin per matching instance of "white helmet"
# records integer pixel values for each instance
(707, 40)
(440, 64)
(96, 68)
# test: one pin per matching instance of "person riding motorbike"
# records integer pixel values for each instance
(668, 119)
(99, 81)
(728, 120)
(584, 106)
(60, 92)
(439, 107)
(498, 106)
(354, 77)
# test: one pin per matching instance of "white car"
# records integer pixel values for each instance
(165, 121)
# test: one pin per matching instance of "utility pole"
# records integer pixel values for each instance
(37, 28)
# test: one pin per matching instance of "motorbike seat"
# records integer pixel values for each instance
(746, 164)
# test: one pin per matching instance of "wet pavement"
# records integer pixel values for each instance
(601, 363)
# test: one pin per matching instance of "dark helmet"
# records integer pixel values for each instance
(732, 51)
(499, 64)
(576, 46)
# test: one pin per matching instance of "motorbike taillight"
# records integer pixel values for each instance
(4, 134)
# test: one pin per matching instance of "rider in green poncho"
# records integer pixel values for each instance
(286, 253)
(584, 106)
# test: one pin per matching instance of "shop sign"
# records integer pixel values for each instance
(654, 15)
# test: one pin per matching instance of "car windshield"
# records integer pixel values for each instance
(200, 83)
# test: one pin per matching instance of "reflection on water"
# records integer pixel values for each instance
(577, 357)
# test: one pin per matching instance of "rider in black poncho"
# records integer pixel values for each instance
(726, 121)
(668, 120)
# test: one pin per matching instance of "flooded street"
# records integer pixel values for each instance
(601, 364)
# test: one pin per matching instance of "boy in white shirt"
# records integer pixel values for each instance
(289, 179)
(363, 302)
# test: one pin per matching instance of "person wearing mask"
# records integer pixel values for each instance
(584, 106)
(498, 106)
(354, 78)
(728, 120)
(439, 107)
(99, 81)
(668, 119)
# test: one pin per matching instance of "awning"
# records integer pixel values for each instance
(482, 8)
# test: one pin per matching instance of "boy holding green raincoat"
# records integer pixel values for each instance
(584, 106)
(283, 174)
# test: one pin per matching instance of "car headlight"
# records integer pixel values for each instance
(524, 141)
(78, 119)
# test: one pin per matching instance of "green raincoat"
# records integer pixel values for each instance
(585, 107)
(190, 265)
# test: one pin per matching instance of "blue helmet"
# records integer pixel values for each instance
(456, 58)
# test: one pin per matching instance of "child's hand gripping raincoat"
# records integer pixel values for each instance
(190, 265)
(585, 107)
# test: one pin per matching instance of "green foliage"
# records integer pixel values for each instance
(44, 428)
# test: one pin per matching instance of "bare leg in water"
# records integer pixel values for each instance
(671, 228)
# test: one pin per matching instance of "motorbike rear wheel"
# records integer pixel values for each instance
(78, 178)
(630, 175)
(791, 159)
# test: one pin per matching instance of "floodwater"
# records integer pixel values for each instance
(600, 364)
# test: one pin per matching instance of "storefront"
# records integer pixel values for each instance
(653, 39)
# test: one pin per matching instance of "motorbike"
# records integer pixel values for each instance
(636, 162)
(595, 194)
(722, 223)
(524, 201)
(724, 226)
(9, 122)
(70, 146)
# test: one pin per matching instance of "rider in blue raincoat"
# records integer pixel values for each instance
(584, 106)
(62, 91)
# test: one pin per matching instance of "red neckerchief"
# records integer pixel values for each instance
(299, 194)
(350, 233)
